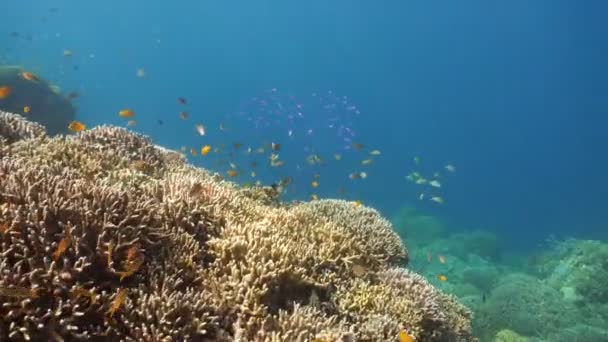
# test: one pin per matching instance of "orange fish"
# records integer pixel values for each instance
(63, 245)
(192, 151)
(232, 173)
(76, 126)
(405, 337)
(126, 113)
(28, 76)
(78, 292)
(26, 109)
(205, 150)
(132, 266)
(441, 277)
(5, 91)
(442, 259)
(118, 301)
(4, 228)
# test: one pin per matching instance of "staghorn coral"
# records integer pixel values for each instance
(107, 236)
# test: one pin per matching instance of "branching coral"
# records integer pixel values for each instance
(105, 235)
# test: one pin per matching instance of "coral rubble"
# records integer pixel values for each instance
(106, 236)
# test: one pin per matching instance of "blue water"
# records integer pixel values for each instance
(515, 94)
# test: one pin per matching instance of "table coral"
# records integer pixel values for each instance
(107, 236)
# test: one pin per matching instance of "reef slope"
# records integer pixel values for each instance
(105, 236)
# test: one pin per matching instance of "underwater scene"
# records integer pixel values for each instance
(322, 171)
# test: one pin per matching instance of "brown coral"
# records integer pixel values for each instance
(205, 260)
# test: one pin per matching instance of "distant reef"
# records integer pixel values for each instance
(106, 236)
(44, 101)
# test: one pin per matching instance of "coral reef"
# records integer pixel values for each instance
(105, 236)
(47, 105)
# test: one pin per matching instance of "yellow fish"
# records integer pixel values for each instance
(441, 277)
(205, 150)
(405, 337)
(76, 126)
(126, 113)
(314, 184)
(26, 109)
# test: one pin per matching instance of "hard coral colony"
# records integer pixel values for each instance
(175, 253)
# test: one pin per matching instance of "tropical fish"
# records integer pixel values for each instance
(375, 152)
(435, 183)
(118, 301)
(277, 163)
(82, 292)
(421, 180)
(4, 228)
(67, 53)
(421, 197)
(63, 245)
(437, 199)
(354, 175)
(183, 115)
(450, 168)
(126, 113)
(28, 76)
(442, 259)
(404, 336)
(182, 100)
(26, 109)
(5, 91)
(363, 174)
(314, 184)
(367, 161)
(76, 126)
(442, 277)
(357, 203)
(232, 173)
(200, 129)
(337, 156)
(192, 151)
(275, 146)
(205, 150)
(131, 123)
(314, 197)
